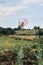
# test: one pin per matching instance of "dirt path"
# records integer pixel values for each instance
(23, 37)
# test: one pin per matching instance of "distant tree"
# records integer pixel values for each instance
(36, 27)
(41, 32)
(19, 27)
(7, 31)
(10, 31)
(1, 29)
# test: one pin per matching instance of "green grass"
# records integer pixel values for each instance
(26, 32)
(7, 42)
(41, 62)
(11, 43)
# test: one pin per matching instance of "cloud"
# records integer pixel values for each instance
(23, 4)
(8, 10)
(31, 1)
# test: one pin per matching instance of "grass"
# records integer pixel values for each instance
(7, 42)
(41, 62)
(26, 32)
(11, 43)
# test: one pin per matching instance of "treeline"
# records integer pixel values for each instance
(40, 30)
(8, 31)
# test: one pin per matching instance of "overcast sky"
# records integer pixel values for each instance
(11, 11)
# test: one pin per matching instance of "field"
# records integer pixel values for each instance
(9, 42)
(26, 46)
(25, 32)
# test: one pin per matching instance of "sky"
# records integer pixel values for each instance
(11, 11)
